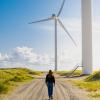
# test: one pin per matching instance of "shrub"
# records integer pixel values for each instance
(16, 79)
(93, 77)
(3, 88)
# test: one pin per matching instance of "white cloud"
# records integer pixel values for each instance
(96, 27)
(96, 45)
(24, 56)
(27, 57)
(24, 53)
(3, 57)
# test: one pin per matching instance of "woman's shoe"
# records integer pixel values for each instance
(51, 97)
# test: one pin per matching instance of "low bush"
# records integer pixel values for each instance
(95, 76)
(3, 88)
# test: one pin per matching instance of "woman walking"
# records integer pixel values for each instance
(50, 81)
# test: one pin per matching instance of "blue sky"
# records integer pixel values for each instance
(15, 15)
(17, 36)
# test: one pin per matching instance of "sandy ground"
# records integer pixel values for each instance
(37, 90)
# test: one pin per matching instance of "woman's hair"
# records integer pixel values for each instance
(50, 72)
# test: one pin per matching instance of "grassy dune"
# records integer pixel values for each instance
(12, 77)
(94, 77)
(91, 84)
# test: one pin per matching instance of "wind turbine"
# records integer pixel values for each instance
(56, 19)
(87, 54)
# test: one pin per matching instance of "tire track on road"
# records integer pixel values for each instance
(65, 95)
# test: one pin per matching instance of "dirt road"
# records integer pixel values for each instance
(37, 90)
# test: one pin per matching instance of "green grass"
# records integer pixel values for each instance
(88, 86)
(91, 83)
(66, 73)
(3, 88)
(95, 95)
(11, 77)
(95, 76)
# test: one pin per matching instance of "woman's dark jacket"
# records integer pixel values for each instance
(50, 79)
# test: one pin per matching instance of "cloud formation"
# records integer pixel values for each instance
(3, 57)
(25, 56)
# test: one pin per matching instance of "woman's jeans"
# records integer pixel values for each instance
(50, 88)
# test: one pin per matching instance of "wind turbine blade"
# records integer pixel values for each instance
(61, 24)
(43, 20)
(61, 8)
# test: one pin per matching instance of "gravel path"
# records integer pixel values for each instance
(37, 90)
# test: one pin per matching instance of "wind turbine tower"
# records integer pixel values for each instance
(56, 19)
(86, 36)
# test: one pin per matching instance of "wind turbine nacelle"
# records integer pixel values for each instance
(53, 15)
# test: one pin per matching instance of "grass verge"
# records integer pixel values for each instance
(12, 77)
(91, 84)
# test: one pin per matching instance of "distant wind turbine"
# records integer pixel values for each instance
(56, 19)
